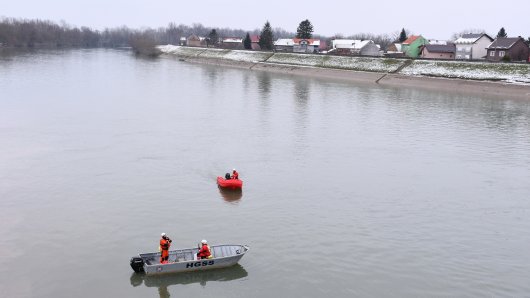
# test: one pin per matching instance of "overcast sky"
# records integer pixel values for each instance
(328, 17)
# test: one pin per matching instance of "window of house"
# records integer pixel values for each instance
(468, 50)
(492, 53)
(501, 53)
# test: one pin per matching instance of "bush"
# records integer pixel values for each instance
(506, 58)
(143, 45)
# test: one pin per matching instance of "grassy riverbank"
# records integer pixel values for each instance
(478, 71)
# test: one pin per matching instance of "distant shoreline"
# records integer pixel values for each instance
(383, 78)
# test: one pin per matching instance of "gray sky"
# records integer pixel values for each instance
(328, 17)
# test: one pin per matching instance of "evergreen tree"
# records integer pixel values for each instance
(502, 33)
(266, 39)
(247, 43)
(402, 36)
(213, 37)
(305, 30)
(527, 41)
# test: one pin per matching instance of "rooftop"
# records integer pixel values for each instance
(411, 39)
(439, 48)
(504, 42)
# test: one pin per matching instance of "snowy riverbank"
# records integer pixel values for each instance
(482, 77)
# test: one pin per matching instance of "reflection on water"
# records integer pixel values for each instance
(162, 282)
(302, 93)
(264, 84)
(231, 195)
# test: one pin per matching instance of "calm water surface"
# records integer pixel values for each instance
(350, 190)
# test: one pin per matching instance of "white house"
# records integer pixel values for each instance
(232, 40)
(355, 47)
(297, 45)
(284, 45)
(472, 46)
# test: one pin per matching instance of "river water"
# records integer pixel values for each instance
(349, 190)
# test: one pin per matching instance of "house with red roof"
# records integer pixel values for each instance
(412, 46)
(323, 46)
(254, 42)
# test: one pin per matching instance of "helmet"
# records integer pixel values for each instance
(204, 242)
(163, 234)
(234, 170)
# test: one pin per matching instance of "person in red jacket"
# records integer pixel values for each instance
(235, 174)
(165, 243)
(204, 251)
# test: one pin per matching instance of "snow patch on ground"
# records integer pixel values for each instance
(509, 72)
(338, 62)
(234, 55)
(297, 59)
(363, 63)
(180, 51)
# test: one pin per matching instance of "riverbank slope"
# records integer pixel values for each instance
(502, 79)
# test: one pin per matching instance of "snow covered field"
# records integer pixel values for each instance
(363, 63)
(507, 72)
(297, 59)
(234, 55)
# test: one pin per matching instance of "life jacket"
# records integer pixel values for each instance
(235, 175)
(205, 251)
(164, 244)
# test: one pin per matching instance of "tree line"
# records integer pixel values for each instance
(44, 33)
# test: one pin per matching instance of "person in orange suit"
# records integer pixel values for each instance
(204, 252)
(235, 174)
(165, 243)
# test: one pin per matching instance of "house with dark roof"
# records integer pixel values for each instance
(233, 43)
(472, 46)
(394, 50)
(513, 47)
(183, 41)
(411, 47)
(438, 51)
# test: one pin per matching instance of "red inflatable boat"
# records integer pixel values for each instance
(229, 183)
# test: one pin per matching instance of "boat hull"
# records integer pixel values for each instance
(191, 266)
(229, 183)
(185, 260)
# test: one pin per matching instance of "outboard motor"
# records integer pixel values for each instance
(137, 264)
